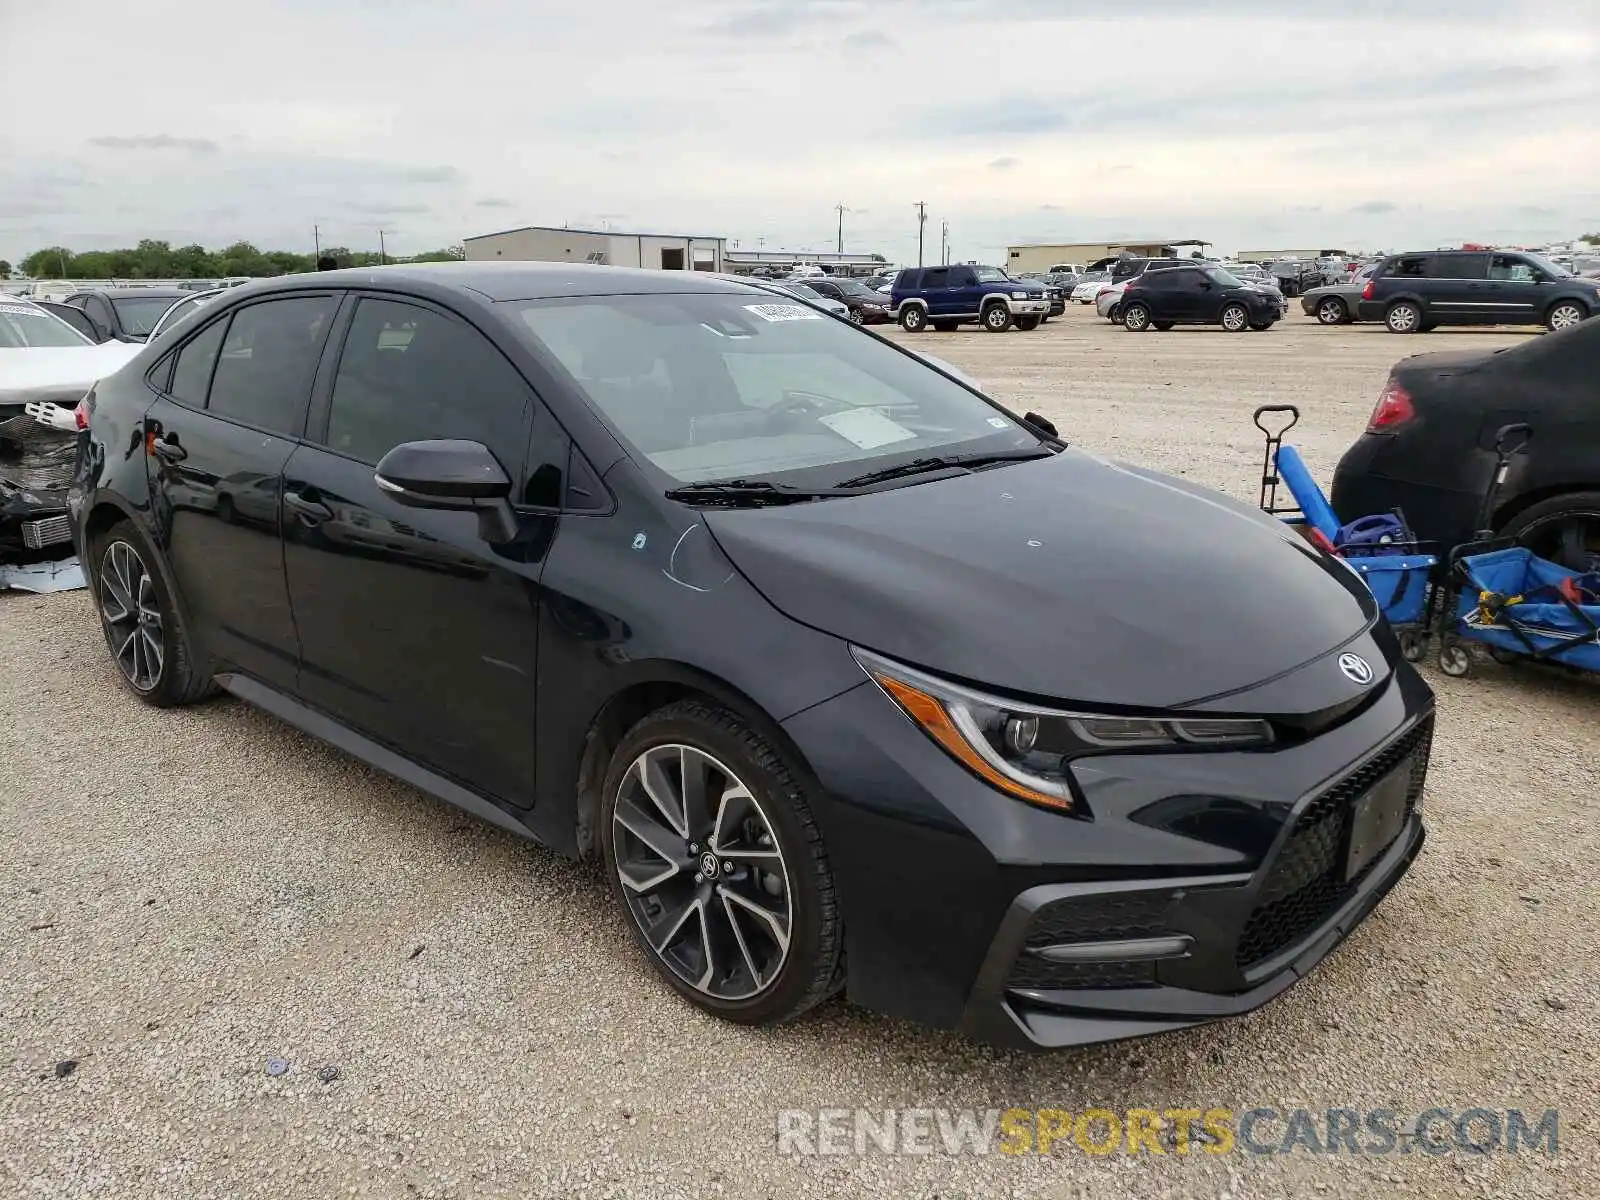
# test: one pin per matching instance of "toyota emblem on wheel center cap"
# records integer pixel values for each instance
(1356, 668)
(708, 865)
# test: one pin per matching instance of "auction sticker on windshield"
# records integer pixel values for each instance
(866, 427)
(783, 312)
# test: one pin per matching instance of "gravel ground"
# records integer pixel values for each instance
(191, 894)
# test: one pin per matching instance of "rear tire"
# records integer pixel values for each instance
(1332, 311)
(776, 947)
(1564, 529)
(1162, 326)
(1235, 318)
(997, 318)
(914, 319)
(1403, 317)
(1136, 318)
(149, 640)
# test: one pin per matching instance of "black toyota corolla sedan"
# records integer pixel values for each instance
(849, 678)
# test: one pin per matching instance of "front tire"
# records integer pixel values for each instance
(1404, 317)
(148, 638)
(913, 319)
(1332, 311)
(997, 318)
(1564, 315)
(718, 865)
(1235, 318)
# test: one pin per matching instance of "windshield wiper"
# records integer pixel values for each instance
(921, 466)
(748, 491)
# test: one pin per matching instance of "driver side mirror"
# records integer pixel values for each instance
(451, 475)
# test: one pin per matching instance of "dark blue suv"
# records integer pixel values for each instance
(945, 297)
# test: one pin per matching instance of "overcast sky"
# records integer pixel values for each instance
(1251, 124)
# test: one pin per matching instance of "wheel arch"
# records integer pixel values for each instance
(1514, 507)
(1588, 309)
(657, 685)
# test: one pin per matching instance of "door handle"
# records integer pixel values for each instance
(311, 512)
(167, 449)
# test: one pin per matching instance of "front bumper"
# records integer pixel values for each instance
(1211, 870)
(1028, 308)
(1079, 963)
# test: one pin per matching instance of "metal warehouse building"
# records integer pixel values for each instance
(1041, 256)
(545, 243)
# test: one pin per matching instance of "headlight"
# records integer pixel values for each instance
(1026, 751)
(1019, 295)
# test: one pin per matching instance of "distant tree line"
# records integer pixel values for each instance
(159, 260)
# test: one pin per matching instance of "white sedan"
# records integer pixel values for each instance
(1089, 286)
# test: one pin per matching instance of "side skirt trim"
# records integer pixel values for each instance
(302, 717)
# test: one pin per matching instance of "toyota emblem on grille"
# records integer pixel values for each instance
(1356, 668)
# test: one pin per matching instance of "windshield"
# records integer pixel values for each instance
(23, 327)
(991, 275)
(139, 314)
(176, 313)
(1096, 277)
(741, 386)
(851, 287)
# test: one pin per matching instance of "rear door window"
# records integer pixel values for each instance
(1461, 266)
(936, 277)
(1413, 266)
(269, 357)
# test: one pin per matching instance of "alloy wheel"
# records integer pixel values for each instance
(1234, 318)
(855, 316)
(702, 872)
(1136, 317)
(132, 615)
(1564, 316)
(1404, 318)
(1330, 312)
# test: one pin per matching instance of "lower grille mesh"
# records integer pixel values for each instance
(1305, 884)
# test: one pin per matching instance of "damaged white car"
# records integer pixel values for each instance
(46, 367)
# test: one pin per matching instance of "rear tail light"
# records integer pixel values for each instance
(1366, 292)
(81, 413)
(1394, 407)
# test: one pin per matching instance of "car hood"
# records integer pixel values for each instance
(1070, 578)
(47, 372)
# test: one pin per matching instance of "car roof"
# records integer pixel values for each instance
(158, 293)
(502, 281)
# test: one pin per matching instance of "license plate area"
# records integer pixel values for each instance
(1377, 819)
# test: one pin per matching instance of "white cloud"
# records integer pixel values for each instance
(1368, 122)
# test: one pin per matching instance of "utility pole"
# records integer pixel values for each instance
(944, 243)
(383, 256)
(922, 219)
(841, 210)
(316, 242)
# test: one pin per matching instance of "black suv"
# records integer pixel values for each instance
(1196, 296)
(1415, 292)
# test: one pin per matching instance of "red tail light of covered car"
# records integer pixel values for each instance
(1394, 408)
